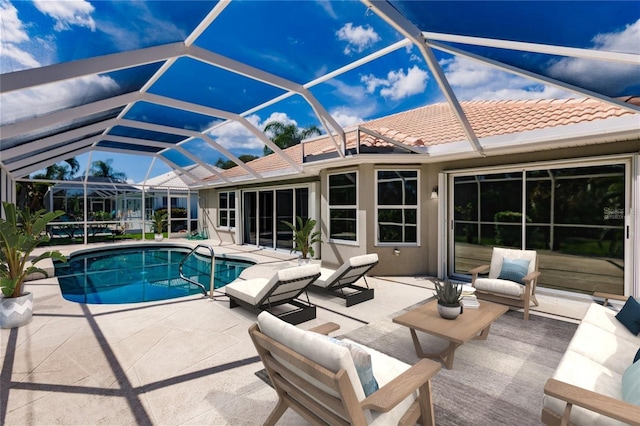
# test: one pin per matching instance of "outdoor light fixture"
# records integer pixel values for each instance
(434, 193)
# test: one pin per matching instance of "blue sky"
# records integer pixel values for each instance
(302, 41)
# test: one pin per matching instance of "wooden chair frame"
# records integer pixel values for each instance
(580, 397)
(318, 406)
(528, 296)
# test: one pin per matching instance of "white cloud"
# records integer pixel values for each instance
(12, 28)
(40, 100)
(68, 13)
(471, 80)
(398, 84)
(142, 29)
(234, 136)
(346, 116)
(22, 58)
(358, 38)
(12, 57)
(608, 77)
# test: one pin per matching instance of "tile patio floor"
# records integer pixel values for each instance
(182, 361)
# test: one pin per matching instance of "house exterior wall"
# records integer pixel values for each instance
(420, 259)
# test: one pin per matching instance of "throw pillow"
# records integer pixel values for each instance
(629, 315)
(362, 361)
(514, 269)
(631, 384)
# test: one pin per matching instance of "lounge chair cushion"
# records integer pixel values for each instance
(315, 347)
(254, 290)
(496, 285)
(385, 369)
(329, 276)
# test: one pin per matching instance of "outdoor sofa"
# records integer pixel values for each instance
(597, 365)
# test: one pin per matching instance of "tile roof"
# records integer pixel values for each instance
(437, 125)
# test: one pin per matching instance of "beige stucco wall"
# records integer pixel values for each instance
(413, 260)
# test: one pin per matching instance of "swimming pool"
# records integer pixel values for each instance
(140, 274)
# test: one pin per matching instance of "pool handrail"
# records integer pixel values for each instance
(213, 260)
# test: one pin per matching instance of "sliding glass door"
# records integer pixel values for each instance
(264, 211)
(573, 217)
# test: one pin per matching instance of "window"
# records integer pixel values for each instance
(571, 214)
(343, 206)
(397, 206)
(227, 209)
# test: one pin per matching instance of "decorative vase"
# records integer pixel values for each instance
(158, 237)
(16, 311)
(449, 311)
(303, 261)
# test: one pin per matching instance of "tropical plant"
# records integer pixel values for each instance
(287, 135)
(304, 236)
(159, 221)
(101, 168)
(20, 233)
(229, 164)
(448, 293)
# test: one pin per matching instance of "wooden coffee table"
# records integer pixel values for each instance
(472, 324)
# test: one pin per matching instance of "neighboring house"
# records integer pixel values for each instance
(559, 176)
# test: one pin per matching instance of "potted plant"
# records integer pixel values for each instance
(159, 224)
(304, 237)
(449, 296)
(20, 233)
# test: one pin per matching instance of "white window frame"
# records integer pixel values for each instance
(343, 207)
(401, 207)
(227, 209)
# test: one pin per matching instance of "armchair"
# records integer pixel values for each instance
(512, 279)
(317, 378)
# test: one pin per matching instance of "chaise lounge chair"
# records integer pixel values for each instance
(328, 381)
(341, 282)
(283, 288)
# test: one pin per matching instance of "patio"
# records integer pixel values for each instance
(181, 361)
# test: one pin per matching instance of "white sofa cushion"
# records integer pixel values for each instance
(581, 371)
(602, 347)
(253, 290)
(605, 319)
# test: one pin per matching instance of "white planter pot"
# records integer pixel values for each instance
(158, 237)
(302, 261)
(449, 311)
(16, 311)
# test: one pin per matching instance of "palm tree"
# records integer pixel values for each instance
(287, 135)
(101, 168)
(228, 164)
(32, 194)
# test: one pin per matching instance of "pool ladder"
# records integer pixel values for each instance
(213, 262)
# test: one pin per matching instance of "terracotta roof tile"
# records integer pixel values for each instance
(436, 125)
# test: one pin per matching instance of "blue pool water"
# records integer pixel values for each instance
(140, 274)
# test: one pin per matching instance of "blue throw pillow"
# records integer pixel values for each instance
(631, 384)
(362, 361)
(514, 269)
(629, 315)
